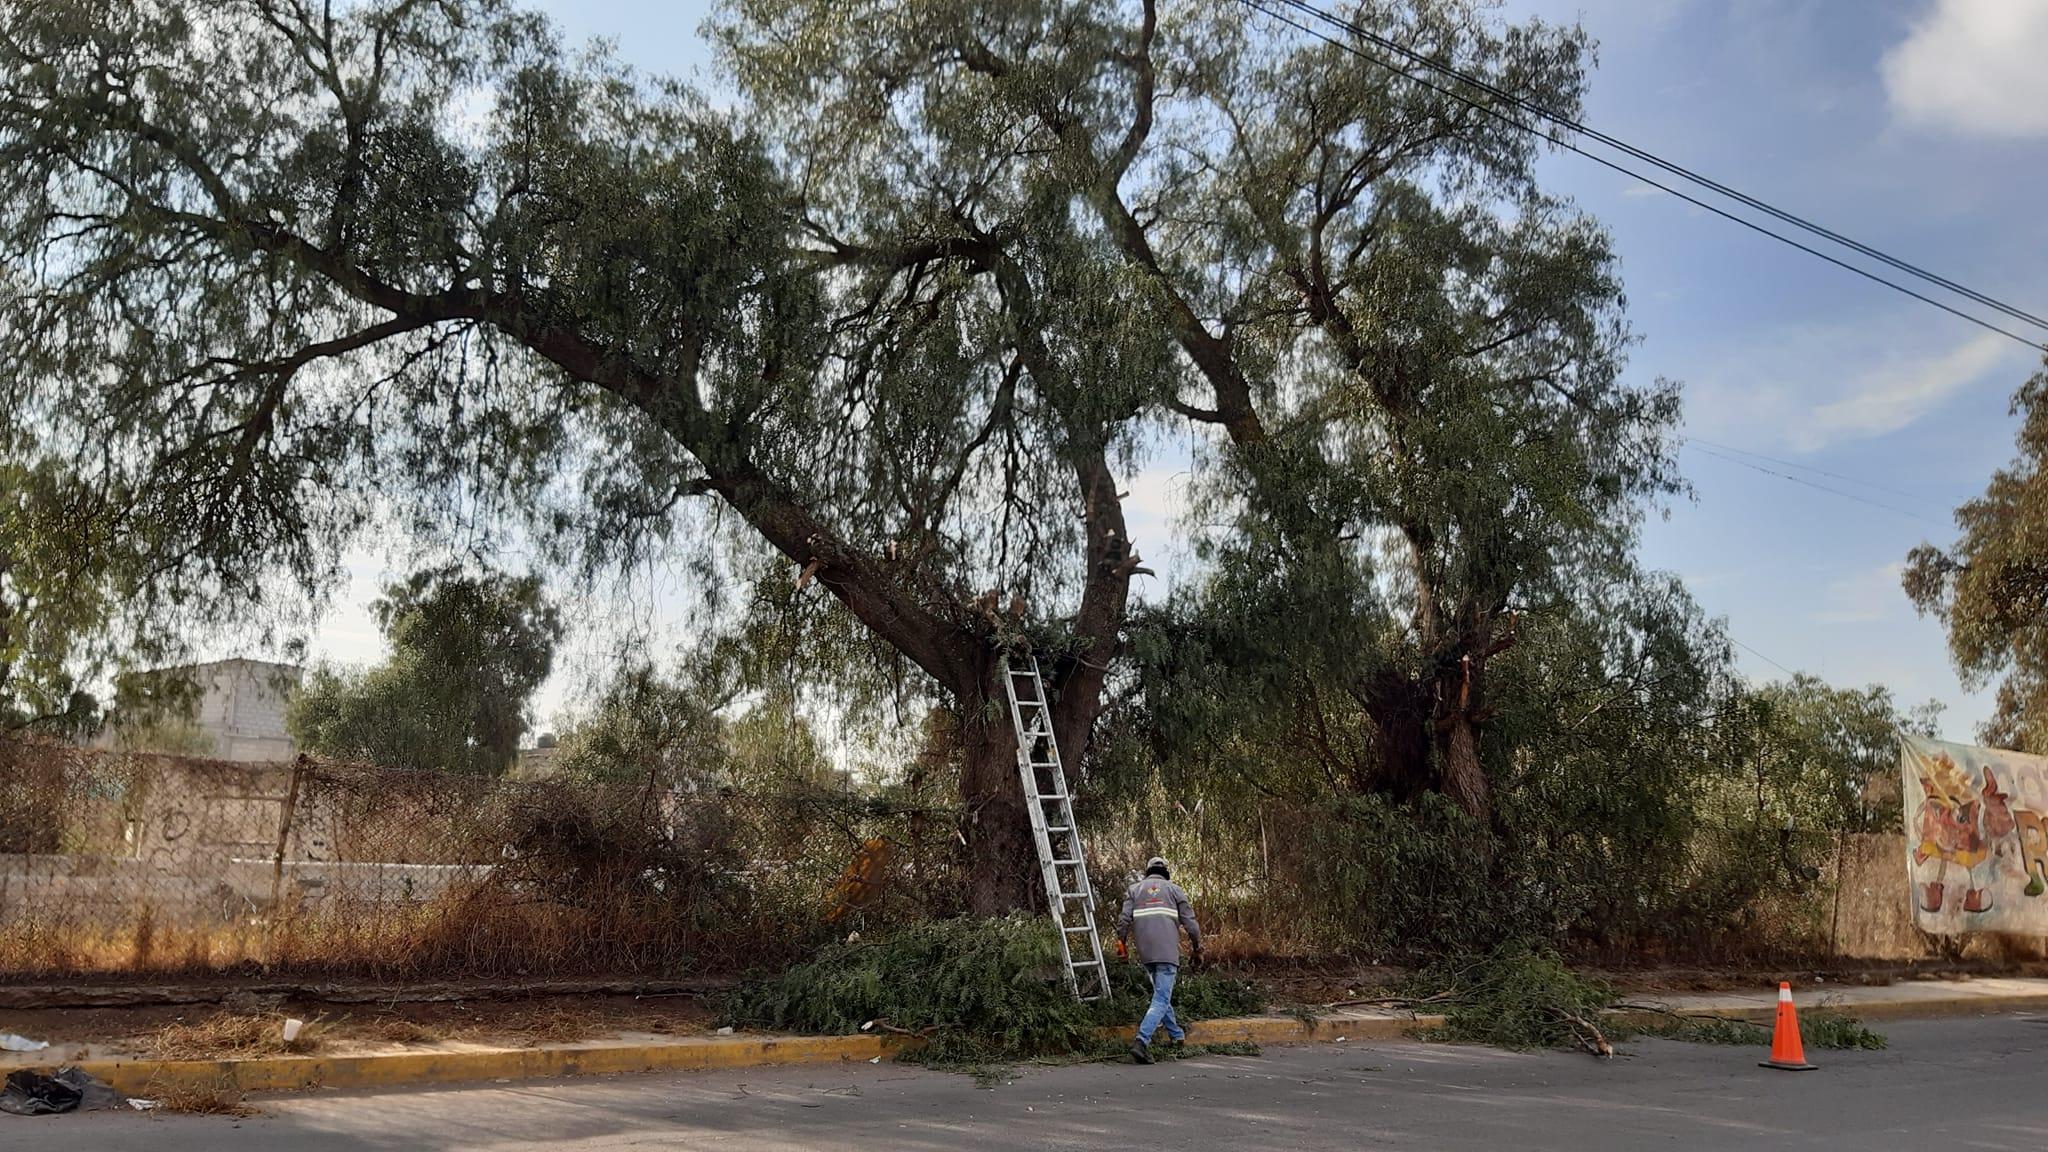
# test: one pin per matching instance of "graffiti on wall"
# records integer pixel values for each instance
(1976, 837)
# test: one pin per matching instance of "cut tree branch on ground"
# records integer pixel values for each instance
(1586, 1033)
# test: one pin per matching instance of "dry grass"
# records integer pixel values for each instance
(227, 1036)
(554, 1026)
(403, 1032)
(214, 1100)
(147, 947)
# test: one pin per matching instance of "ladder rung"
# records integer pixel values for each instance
(1073, 895)
(1059, 831)
(1065, 863)
(1086, 964)
(1052, 795)
(1079, 928)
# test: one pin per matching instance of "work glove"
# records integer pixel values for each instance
(1123, 951)
(1194, 960)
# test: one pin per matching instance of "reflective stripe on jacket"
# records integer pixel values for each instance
(1157, 909)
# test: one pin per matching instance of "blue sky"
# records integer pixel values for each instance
(1917, 126)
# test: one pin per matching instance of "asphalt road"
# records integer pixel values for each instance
(1974, 1083)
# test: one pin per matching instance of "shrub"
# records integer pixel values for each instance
(979, 991)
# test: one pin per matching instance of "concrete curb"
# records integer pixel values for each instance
(453, 1065)
(405, 1069)
(1929, 1008)
(385, 1070)
(1293, 1030)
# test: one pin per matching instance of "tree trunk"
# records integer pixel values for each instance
(1002, 860)
(1428, 737)
(1460, 688)
(1464, 778)
(1400, 712)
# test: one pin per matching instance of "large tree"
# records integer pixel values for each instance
(1409, 355)
(904, 315)
(1991, 586)
(307, 268)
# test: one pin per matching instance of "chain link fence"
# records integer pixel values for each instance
(145, 864)
(112, 862)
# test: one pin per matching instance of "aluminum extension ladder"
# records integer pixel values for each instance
(1067, 892)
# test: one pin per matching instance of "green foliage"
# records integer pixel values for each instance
(648, 726)
(1515, 996)
(1990, 588)
(982, 991)
(1378, 878)
(61, 572)
(467, 653)
(684, 729)
(91, 588)
(1832, 1031)
(1643, 790)
(1522, 996)
(1838, 1031)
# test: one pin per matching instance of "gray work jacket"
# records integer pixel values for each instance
(1157, 909)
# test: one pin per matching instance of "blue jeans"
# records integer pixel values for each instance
(1161, 1011)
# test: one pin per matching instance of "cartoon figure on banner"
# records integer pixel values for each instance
(1961, 825)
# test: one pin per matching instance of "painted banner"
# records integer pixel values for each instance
(1976, 837)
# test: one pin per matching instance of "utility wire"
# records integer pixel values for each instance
(1759, 655)
(1487, 108)
(1695, 446)
(1525, 104)
(1944, 505)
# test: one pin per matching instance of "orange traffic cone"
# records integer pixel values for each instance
(1787, 1052)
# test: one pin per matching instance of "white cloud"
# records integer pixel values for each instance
(1807, 388)
(1976, 66)
(1896, 394)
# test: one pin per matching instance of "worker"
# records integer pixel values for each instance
(1156, 909)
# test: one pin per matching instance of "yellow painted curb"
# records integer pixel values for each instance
(1288, 1029)
(709, 1053)
(386, 1070)
(406, 1069)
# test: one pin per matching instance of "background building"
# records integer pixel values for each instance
(237, 714)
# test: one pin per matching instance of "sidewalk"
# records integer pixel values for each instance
(1970, 997)
(397, 1066)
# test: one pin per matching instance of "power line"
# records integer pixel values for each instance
(1675, 169)
(1759, 655)
(1695, 446)
(1488, 109)
(1944, 505)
